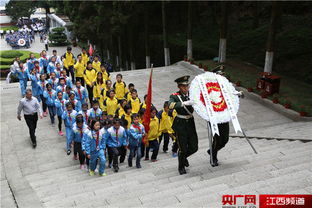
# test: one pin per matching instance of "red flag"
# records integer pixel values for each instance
(90, 50)
(147, 113)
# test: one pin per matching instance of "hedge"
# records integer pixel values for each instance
(8, 61)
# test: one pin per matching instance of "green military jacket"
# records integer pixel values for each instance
(175, 103)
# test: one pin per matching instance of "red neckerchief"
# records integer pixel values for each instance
(70, 118)
(50, 93)
(44, 57)
(63, 88)
(37, 69)
(62, 102)
(97, 138)
(42, 83)
(73, 103)
(81, 133)
(137, 127)
(86, 116)
(117, 136)
(79, 93)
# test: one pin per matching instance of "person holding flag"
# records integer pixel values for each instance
(183, 124)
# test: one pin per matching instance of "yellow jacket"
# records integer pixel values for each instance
(120, 89)
(96, 66)
(69, 59)
(85, 58)
(79, 68)
(153, 132)
(128, 96)
(89, 76)
(120, 111)
(97, 89)
(128, 118)
(106, 75)
(165, 124)
(135, 104)
(110, 106)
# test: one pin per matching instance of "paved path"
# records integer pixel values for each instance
(47, 177)
(37, 47)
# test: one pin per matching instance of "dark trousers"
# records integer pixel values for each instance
(44, 105)
(31, 121)
(52, 112)
(46, 47)
(90, 93)
(60, 122)
(70, 70)
(142, 149)
(135, 150)
(114, 152)
(166, 141)
(81, 79)
(155, 147)
(175, 147)
(77, 149)
(219, 141)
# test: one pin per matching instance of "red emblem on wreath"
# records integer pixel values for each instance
(216, 97)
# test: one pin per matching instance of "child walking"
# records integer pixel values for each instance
(50, 95)
(116, 142)
(136, 132)
(60, 108)
(69, 117)
(79, 129)
(152, 137)
(95, 147)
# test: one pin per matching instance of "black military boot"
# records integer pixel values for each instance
(181, 165)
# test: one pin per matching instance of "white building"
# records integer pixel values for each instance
(61, 21)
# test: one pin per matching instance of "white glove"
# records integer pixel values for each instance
(186, 103)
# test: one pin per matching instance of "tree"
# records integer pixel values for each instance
(223, 31)
(275, 12)
(189, 31)
(17, 9)
(58, 37)
(166, 48)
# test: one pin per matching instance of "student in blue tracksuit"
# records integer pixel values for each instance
(76, 104)
(53, 81)
(60, 108)
(79, 129)
(41, 88)
(69, 117)
(31, 61)
(22, 74)
(58, 70)
(68, 91)
(68, 81)
(50, 95)
(84, 113)
(34, 77)
(95, 147)
(116, 138)
(52, 65)
(135, 134)
(61, 86)
(81, 93)
(44, 61)
(95, 112)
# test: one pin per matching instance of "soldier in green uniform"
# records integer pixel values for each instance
(183, 124)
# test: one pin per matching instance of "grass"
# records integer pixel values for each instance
(296, 92)
(9, 28)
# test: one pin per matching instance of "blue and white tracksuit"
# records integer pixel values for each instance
(34, 78)
(85, 116)
(95, 114)
(81, 95)
(135, 135)
(69, 120)
(31, 64)
(50, 97)
(95, 147)
(51, 67)
(54, 82)
(76, 104)
(23, 78)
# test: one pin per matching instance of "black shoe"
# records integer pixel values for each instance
(68, 152)
(208, 151)
(34, 145)
(138, 166)
(116, 169)
(214, 163)
(182, 171)
(186, 163)
(130, 164)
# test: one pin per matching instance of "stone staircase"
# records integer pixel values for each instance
(281, 166)
(47, 177)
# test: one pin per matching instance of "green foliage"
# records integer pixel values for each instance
(17, 9)
(8, 61)
(10, 54)
(15, 28)
(58, 37)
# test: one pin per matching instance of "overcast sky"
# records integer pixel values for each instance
(3, 2)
